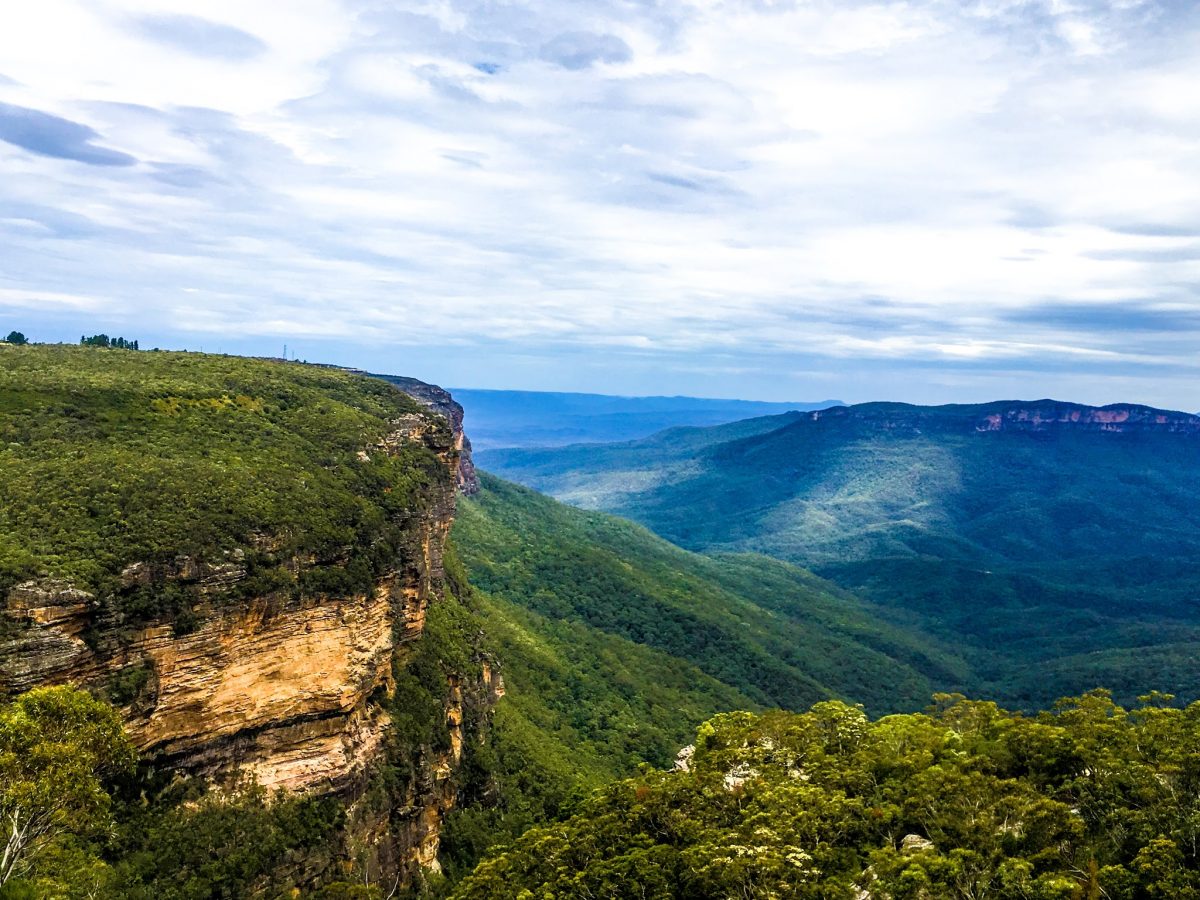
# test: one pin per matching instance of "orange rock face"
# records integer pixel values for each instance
(264, 672)
(278, 691)
(283, 689)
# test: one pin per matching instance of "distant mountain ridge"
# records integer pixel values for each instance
(498, 419)
(1015, 415)
(1054, 542)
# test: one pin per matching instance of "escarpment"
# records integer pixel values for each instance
(1036, 417)
(293, 541)
(440, 401)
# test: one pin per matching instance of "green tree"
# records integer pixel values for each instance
(103, 340)
(57, 746)
(16, 337)
(965, 802)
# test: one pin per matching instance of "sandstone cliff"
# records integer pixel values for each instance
(1039, 416)
(287, 685)
(440, 401)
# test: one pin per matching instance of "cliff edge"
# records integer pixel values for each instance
(240, 554)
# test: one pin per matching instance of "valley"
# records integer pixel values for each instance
(351, 664)
(501, 419)
(1051, 543)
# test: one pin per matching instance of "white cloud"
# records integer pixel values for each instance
(900, 180)
(33, 300)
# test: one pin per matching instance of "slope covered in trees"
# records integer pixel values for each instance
(615, 645)
(1052, 543)
(774, 632)
(962, 802)
(243, 555)
(111, 458)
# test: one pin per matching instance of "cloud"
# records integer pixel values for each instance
(1185, 253)
(48, 135)
(182, 176)
(1141, 315)
(201, 37)
(13, 298)
(580, 50)
(909, 197)
(51, 220)
(1151, 229)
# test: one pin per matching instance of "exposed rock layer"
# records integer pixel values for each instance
(284, 688)
(1040, 416)
(440, 401)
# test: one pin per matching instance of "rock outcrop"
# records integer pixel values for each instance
(1038, 416)
(1116, 419)
(440, 401)
(288, 688)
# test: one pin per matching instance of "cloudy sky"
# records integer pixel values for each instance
(928, 201)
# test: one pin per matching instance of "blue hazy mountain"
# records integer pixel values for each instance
(549, 419)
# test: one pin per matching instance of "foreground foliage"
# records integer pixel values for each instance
(965, 801)
(616, 645)
(57, 747)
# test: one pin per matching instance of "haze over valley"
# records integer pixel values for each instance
(686, 450)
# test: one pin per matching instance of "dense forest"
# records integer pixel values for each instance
(110, 459)
(1052, 554)
(778, 634)
(963, 800)
(1086, 800)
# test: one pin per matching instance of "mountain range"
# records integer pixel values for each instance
(1053, 543)
(550, 419)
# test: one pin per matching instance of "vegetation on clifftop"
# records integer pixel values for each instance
(112, 458)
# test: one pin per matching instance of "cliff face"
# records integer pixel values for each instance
(1041, 416)
(439, 401)
(278, 687)
(287, 687)
(1117, 419)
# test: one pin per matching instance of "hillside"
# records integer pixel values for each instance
(965, 801)
(242, 556)
(616, 645)
(1041, 535)
(551, 419)
(777, 634)
(250, 560)
(331, 692)
(114, 457)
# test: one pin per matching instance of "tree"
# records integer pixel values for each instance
(103, 340)
(57, 745)
(16, 337)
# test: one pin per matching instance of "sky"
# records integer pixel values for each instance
(926, 201)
